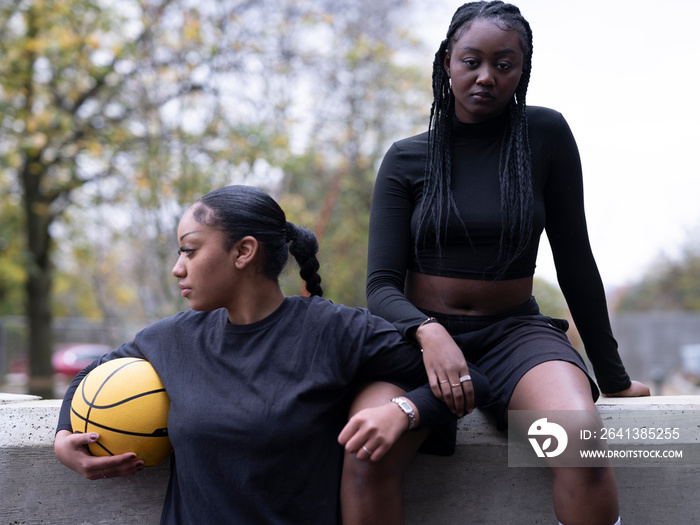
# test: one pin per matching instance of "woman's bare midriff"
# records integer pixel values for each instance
(451, 295)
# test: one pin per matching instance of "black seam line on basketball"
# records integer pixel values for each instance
(104, 448)
(90, 404)
(83, 418)
(159, 432)
(82, 393)
(122, 401)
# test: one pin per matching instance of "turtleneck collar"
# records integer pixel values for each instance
(486, 130)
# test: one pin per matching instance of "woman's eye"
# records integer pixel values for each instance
(186, 251)
(504, 66)
(470, 62)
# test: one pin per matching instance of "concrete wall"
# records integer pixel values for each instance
(474, 486)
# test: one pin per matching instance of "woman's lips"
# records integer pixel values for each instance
(482, 96)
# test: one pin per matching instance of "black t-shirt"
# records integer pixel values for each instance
(558, 209)
(256, 409)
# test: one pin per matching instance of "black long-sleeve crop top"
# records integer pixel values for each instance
(558, 209)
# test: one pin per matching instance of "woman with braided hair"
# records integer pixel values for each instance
(260, 383)
(456, 219)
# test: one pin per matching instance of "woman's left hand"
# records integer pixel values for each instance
(636, 389)
(71, 450)
(373, 431)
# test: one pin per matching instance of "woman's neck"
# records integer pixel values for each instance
(261, 301)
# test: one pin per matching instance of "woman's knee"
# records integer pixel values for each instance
(391, 468)
(364, 474)
(587, 478)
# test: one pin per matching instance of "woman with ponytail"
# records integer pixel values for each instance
(456, 220)
(260, 383)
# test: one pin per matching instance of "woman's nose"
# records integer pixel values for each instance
(485, 77)
(179, 269)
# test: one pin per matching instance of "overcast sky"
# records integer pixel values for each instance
(624, 73)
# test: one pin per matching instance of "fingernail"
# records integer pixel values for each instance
(93, 437)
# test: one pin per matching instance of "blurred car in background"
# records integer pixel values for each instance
(67, 360)
(71, 359)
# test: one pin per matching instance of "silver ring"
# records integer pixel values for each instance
(444, 381)
(367, 450)
(455, 385)
(465, 378)
(104, 476)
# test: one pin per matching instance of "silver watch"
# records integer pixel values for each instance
(408, 410)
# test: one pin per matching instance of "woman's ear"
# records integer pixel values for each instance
(446, 64)
(244, 251)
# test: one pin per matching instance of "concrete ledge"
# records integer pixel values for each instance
(14, 398)
(473, 486)
(36, 488)
(476, 486)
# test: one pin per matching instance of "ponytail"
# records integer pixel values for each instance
(303, 245)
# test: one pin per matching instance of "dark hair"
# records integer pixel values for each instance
(241, 211)
(515, 162)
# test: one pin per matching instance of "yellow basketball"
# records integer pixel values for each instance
(123, 400)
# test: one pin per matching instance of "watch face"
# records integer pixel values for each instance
(403, 404)
(408, 410)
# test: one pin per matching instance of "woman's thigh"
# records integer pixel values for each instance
(553, 385)
(559, 392)
(374, 394)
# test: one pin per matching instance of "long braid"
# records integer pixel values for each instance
(515, 172)
(303, 245)
(437, 189)
(515, 162)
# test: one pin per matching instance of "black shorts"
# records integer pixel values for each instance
(505, 346)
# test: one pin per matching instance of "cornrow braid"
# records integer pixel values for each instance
(515, 161)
